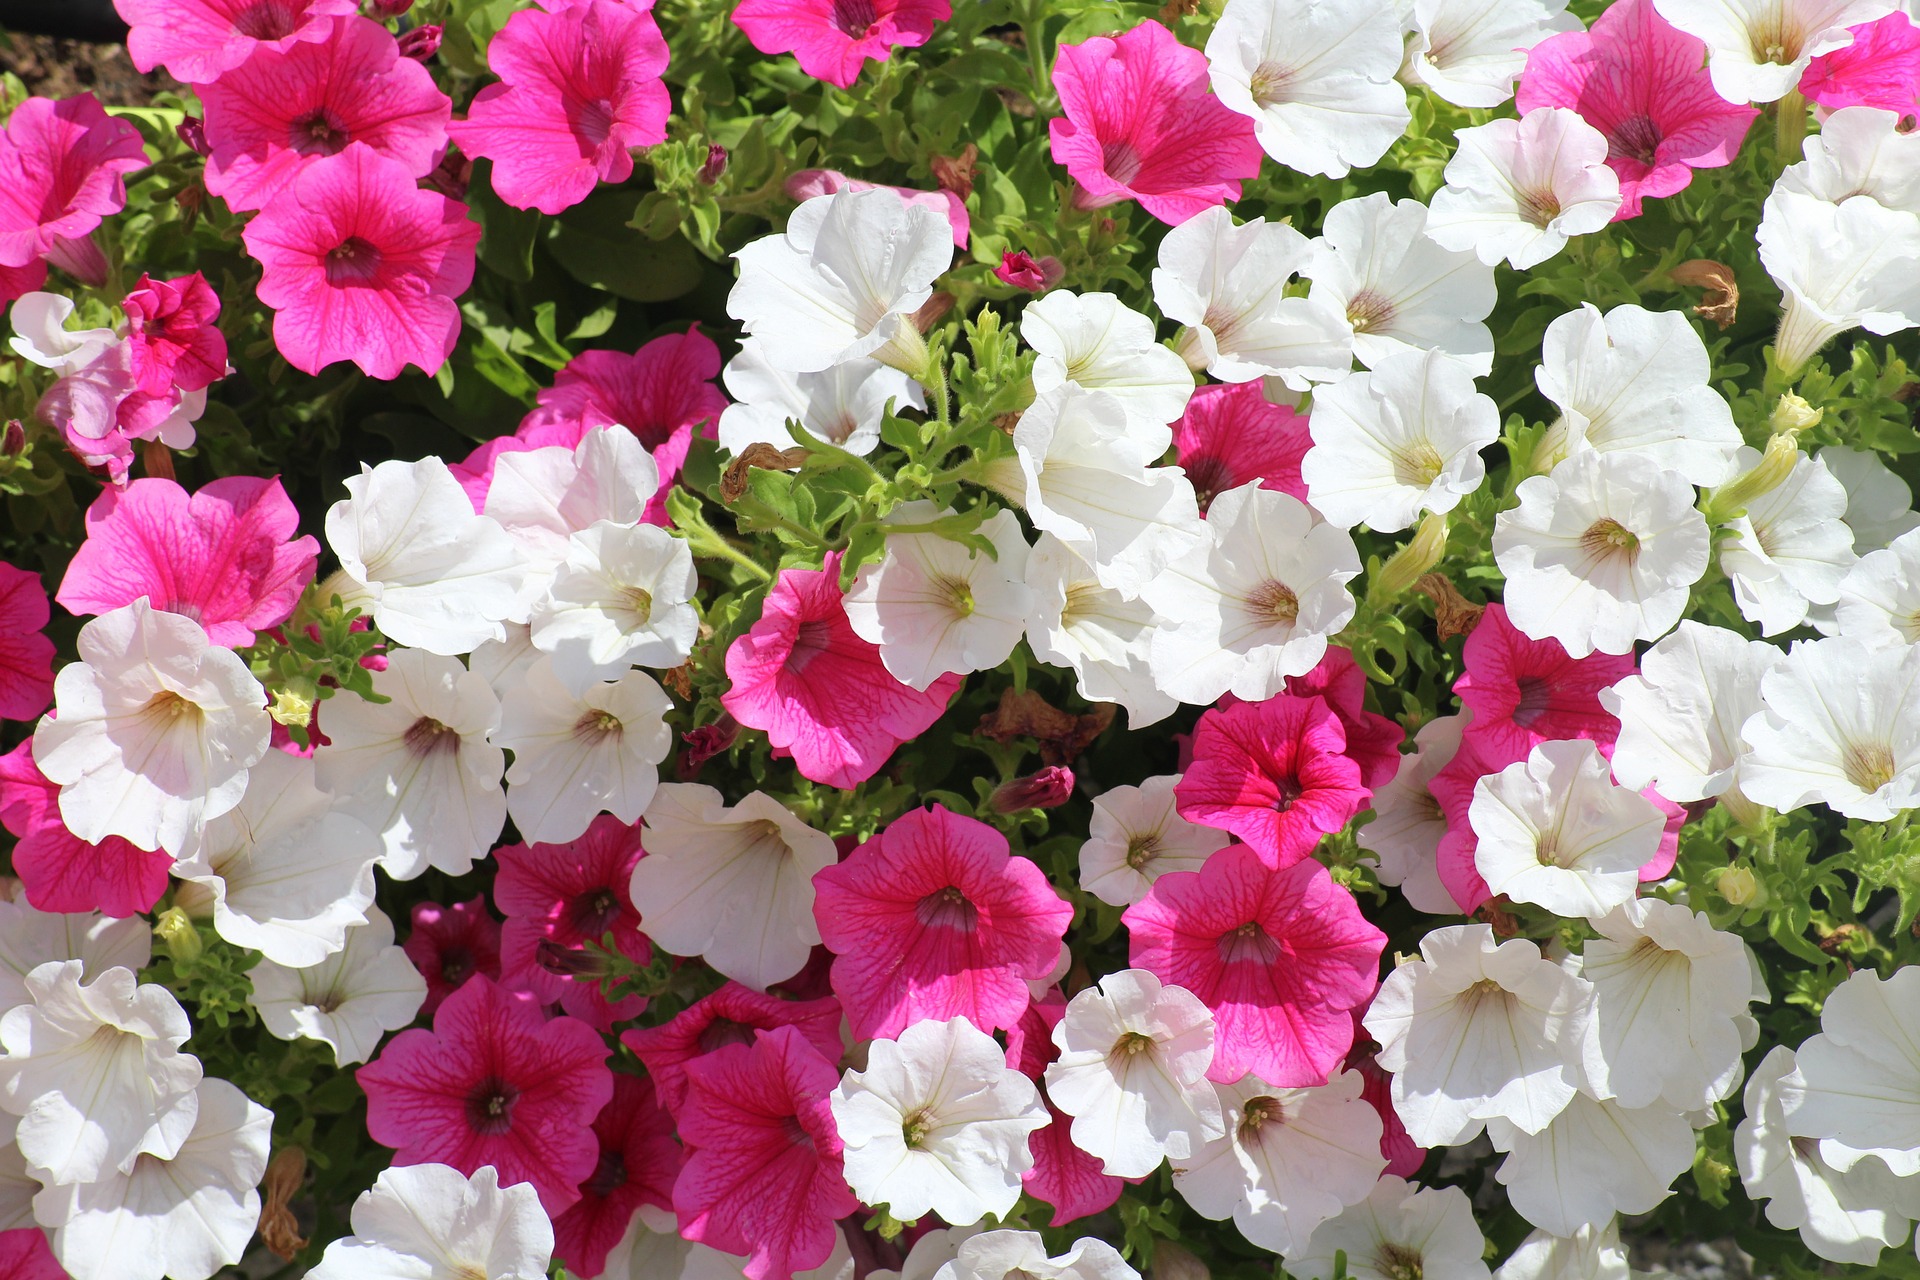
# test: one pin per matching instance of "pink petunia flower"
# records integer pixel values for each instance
(579, 90)
(1024, 271)
(26, 1253)
(449, 945)
(639, 1161)
(1282, 957)
(1141, 125)
(1275, 773)
(558, 898)
(1373, 741)
(361, 264)
(808, 183)
(833, 39)
(1404, 1156)
(101, 411)
(274, 116)
(63, 167)
(1074, 1183)
(173, 342)
(1231, 435)
(1881, 68)
(763, 1177)
(225, 556)
(200, 40)
(730, 1015)
(1523, 692)
(494, 1083)
(59, 870)
(819, 690)
(935, 918)
(1643, 83)
(26, 655)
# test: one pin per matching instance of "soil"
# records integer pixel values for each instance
(53, 68)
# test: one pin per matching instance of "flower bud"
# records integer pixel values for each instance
(571, 962)
(390, 8)
(292, 708)
(714, 165)
(1794, 414)
(1048, 789)
(704, 743)
(178, 935)
(1024, 271)
(1776, 463)
(1740, 887)
(13, 439)
(1406, 566)
(421, 43)
(193, 132)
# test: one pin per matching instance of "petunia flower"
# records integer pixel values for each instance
(1281, 957)
(448, 945)
(349, 1000)
(63, 167)
(578, 755)
(834, 39)
(1595, 1159)
(198, 41)
(569, 896)
(1859, 151)
(173, 339)
(1595, 1252)
(804, 184)
(1518, 190)
(1231, 435)
(1063, 1176)
(1522, 691)
(580, 89)
(544, 497)
(932, 918)
(430, 1219)
(30, 938)
(26, 1253)
(1139, 124)
(1881, 68)
(1790, 549)
(60, 871)
(26, 656)
(730, 1015)
(1098, 343)
(1834, 729)
(843, 405)
(1136, 837)
(1757, 50)
(358, 263)
(1839, 267)
(1009, 1255)
(1408, 822)
(639, 1161)
(41, 336)
(1399, 1230)
(1468, 52)
(1878, 601)
(1101, 635)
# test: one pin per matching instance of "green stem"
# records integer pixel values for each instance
(713, 546)
(760, 513)
(1789, 127)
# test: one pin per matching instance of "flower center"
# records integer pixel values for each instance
(1131, 1044)
(915, 1128)
(796, 1132)
(1417, 464)
(490, 1107)
(1273, 603)
(722, 1032)
(1368, 311)
(1268, 84)
(948, 908)
(456, 963)
(1250, 944)
(428, 737)
(594, 912)
(265, 20)
(318, 134)
(1210, 475)
(1536, 695)
(955, 593)
(1547, 849)
(854, 18)
(1082, 598)
(1608, 539)
(1868, 765)
(1538, 207)
(637, 601)
(810, 640)
(1637, 138)
(1143, 849)
(353, 261)
(597, 726)
(593, 120)
(608, 1176)
(1120, 160)
(1398, 1262)
(1257, 1114)
(1286, 792)
(167, 709)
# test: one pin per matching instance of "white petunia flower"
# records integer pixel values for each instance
(1602, 551)
(1519, 189)
(937, 1123)
(432, 1222)
(934, 605)
(1100, 634)
(1879, 504)
(1316, 77)
(652, 1249)
(30, 938)
(1022, 1255)
(289, 873)
(18, 1186)
(1855, 265)
(1290, 1160)
(1555, 831)
(1475, 1032)
(1408, 823)
(1396, 1232)
(1790, 549)
(1856, 1088)
(1470, 52)
(503, 664)
(413, 554)
(542, 497)
(95, 1073)
(418, 768)
(1255, 603)
(1399, 290)
(933, 1250)
(183, 1216)
(1132, 1072)
(1136, 837)
(349, 1000)
(1638, 381)
(1840, 726)
(842, 282)
(1594, 1160)
(622, 597)
(1859, 151)
(1098, 343)
(1757, 50)
(1402, 439)
(579, 755)
(1588, 1254)
(1880, 595)
(843, 405)
(698, 1262)
(1842, 1217)
(39, 323)
(732, 884)
(1227, 284)
(153, 730)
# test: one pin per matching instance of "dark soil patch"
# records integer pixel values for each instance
(53, 68)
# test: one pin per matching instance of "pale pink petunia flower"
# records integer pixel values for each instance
(199, 40)
(833, 39)
(284, 109)
(730, 1015)
(639, 1162)
(763, 1177)
(808, 183)
(448, 945)
(59, 870)
(63, 167)
(1643, 83)
(224, 556)
(1140, 124)
(26, 656)
(1881, 68)
(360, 264)
(820, 691)
(496, 1084)
(580, 89)
(174, 341)
(1280, 957)
(1231, 434)
(935, 918)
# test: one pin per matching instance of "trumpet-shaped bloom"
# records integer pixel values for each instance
(1853, 1088)
(173, 340)
(1681, 717)
(1522, 691)
(433, 1220)
(30, 938)
(843, 405)
(1840, 267)
(1398, 1230)
(349, 1000)
(448, 945)
(1103, 636)
(1790, 549)
(639, 1161)
(1231, 435)
(1001, 1255)
(59, 870)
(1596, 1159)
(63, 167)
(198, 41)
(578, 755)
(1881, 68)
(566, 896)
(1757, 50)
(1836, 728)
(1591, 1253)
(1099, 344)
(834, 39)
(1408, 822)
(1139, 124)
(26, 656)
(730, 1015)
(1136, 837)
(1468, 51)
(1518, 190)
(1880, 595)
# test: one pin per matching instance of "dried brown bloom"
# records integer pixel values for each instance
(1453, 614)
(761, 455)
(1722, 297)
(278, 1229)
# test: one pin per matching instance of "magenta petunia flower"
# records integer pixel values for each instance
(763, 1176)
(173, 340)
(819, 690)
(559, 897)
(1373, 741)
(63, 167)
(1231, 435)
(1074, 1183)
(1275, 773)
(26, 655)
(1523, 691)
(579, 90)
(496, 1084)
(730, 1015)
(1643, 83)
(222, 556)
(274, 116)
(934, 918)
(1282, 957)
(1403, 1155)
(1881, 68)
(27, 1254)
(449, 945)
(59, 870)
(1141, 125)
(361, 264)
(833, 39)
(198, 41)
(639, 1161)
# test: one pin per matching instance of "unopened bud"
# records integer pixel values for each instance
(571, 962)
(390, 8)
(1024, 271)
(1050, 788)
(421, 43)
(1406, 566)
(1777, 462)
(704, 743)
(13, 439)
(1794, 414)
(1740, 887)
(292, 708)
(714, 165)
(193, 132)
(178, 935)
